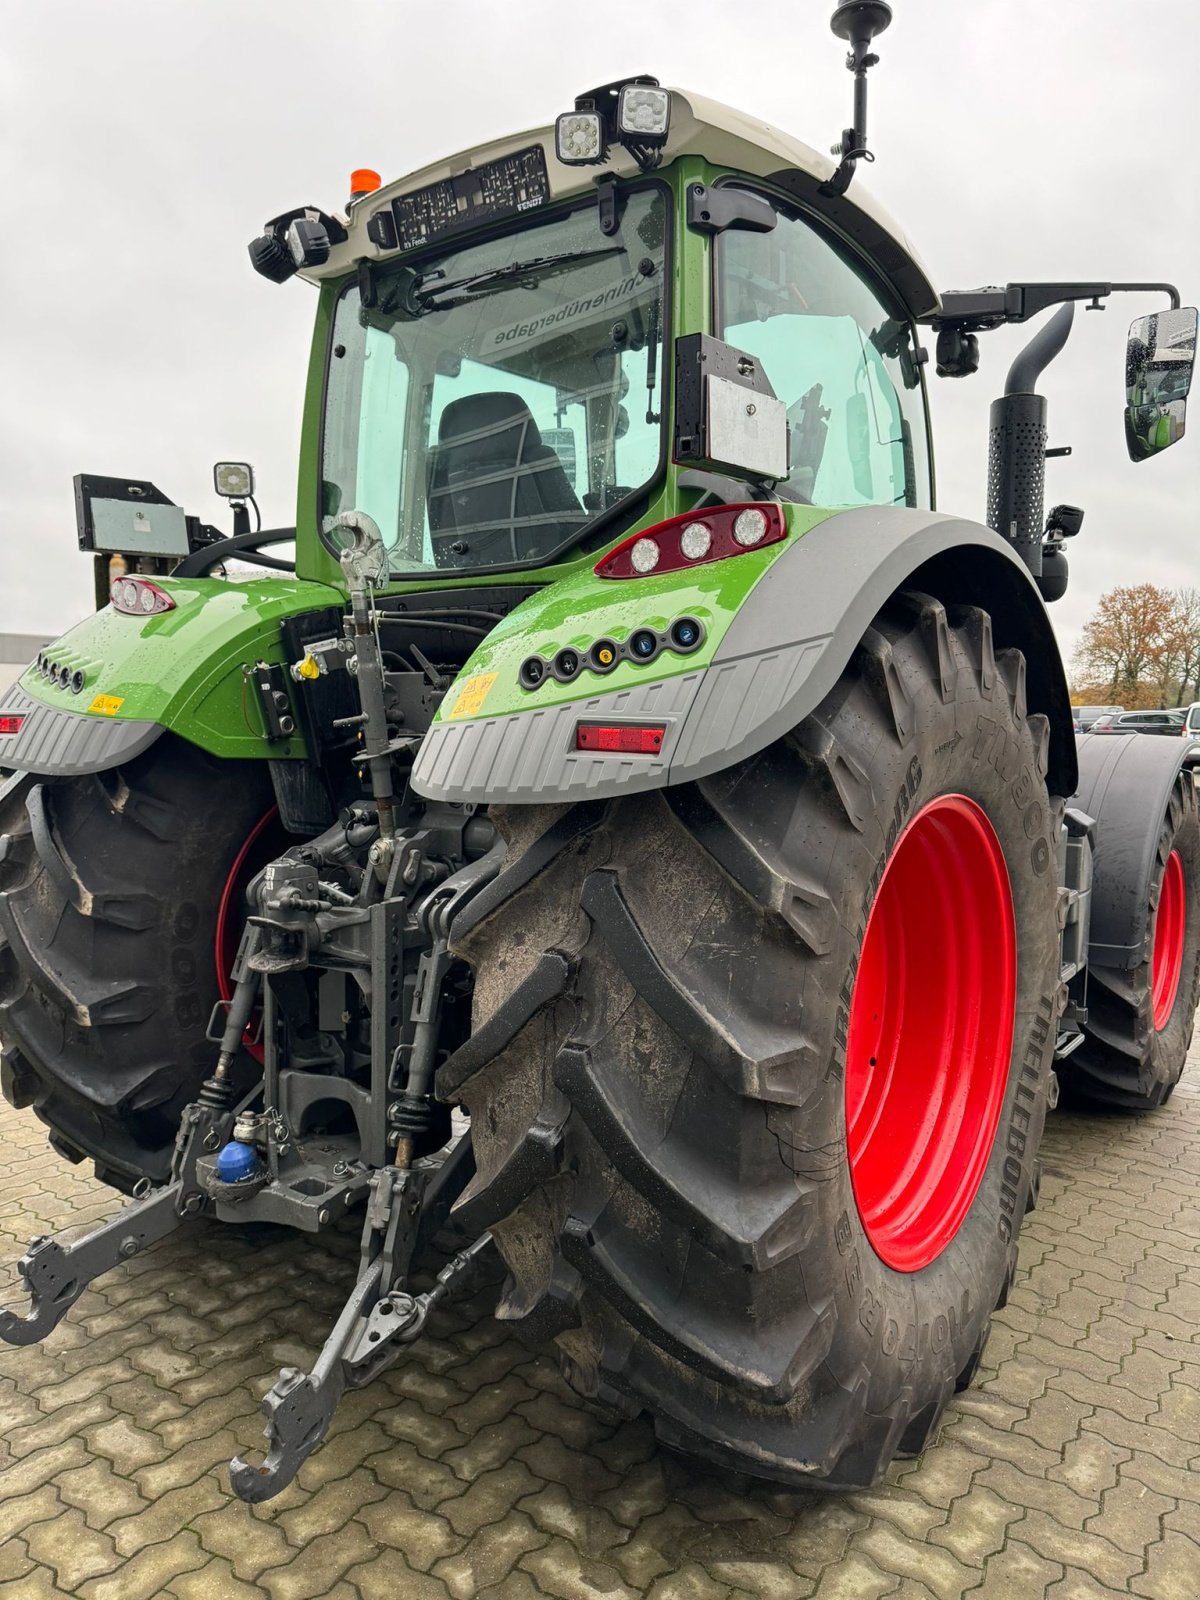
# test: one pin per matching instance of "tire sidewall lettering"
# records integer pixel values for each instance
(975, 746)
(185, 969)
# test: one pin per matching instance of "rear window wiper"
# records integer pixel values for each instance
(425, 288)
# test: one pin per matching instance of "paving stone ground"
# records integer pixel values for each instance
(1071, 1470)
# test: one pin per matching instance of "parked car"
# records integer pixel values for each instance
(1191, 720)
(1084, 717)
(1171, 723)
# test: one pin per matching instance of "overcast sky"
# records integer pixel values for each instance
(144, 142)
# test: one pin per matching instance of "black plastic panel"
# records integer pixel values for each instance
(498, 189)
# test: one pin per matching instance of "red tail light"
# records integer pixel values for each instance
(627, 739)
(9, 723)
(138, 597)
(708, 535)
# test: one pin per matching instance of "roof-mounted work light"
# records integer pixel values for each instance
(297, 239)
(644, 114)
(634, 112)
(579, 138)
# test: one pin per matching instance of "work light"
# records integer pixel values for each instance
(233, 480)
(644, 114)
(579, 138)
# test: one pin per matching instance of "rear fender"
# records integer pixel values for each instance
(179, 670)
(782, 653)
(1125, 784)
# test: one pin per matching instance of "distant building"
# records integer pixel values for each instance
(16, 651)
(18, 648)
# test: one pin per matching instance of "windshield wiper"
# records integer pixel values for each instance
(530, 273)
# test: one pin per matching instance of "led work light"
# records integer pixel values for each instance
(634, 112)
(233, 480)
(579, 138)
(644, 114)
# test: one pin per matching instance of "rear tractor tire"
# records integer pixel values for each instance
(111, 891)
(760, 1064)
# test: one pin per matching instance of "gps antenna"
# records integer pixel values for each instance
(856, 21)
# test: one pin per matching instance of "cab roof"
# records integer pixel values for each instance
(700, 127)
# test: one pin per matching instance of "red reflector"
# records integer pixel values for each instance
(9, 723)
(627, 739)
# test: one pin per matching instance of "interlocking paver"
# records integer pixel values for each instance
(1171, 1569)
(72, 1551)
(1015, 1573)
(15, 1562)
(56, 1428)
(469, 1472)
(250, 1543)
(147, 1574)
(424, 1536)
(762, 1580)
(489, 1557)
(559, 1569)
(977, 1526)
(314, 1572)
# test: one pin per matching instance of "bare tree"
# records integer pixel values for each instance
(1187, 628)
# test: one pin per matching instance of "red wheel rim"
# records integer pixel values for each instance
(930, 1033)
(263, 843)
(1170, 922)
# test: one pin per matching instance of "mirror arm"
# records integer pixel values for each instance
(1168, 289)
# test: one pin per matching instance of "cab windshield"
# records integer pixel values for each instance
(499, 400)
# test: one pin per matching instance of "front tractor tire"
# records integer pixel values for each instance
(760, 1064)
(111, 891)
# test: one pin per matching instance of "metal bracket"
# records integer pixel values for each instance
(57, 1274)
(369, 1334)
(606, 206)
(714, 210)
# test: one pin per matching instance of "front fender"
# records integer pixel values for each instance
(178, 670)
(782, 653)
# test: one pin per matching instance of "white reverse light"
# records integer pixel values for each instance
(579, 137)
(644, 555)
(644, 113)
(750, 528)
(695, 541)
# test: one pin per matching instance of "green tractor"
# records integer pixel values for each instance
(640, 835)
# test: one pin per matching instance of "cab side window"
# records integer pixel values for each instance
(839, 353)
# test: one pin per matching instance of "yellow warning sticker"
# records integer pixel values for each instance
(107, 705)
(472, 695)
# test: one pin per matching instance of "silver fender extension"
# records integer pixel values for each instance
(56, 743)
(780, 657)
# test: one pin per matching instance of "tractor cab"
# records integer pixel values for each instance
(502, 339)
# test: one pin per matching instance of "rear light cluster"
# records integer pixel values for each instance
(60, 674)
(10, 723)
(685, 635)
(632, 739)
(708, 535)
(138, 597)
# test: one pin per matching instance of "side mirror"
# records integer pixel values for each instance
(1159, 359)
(562, 442)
